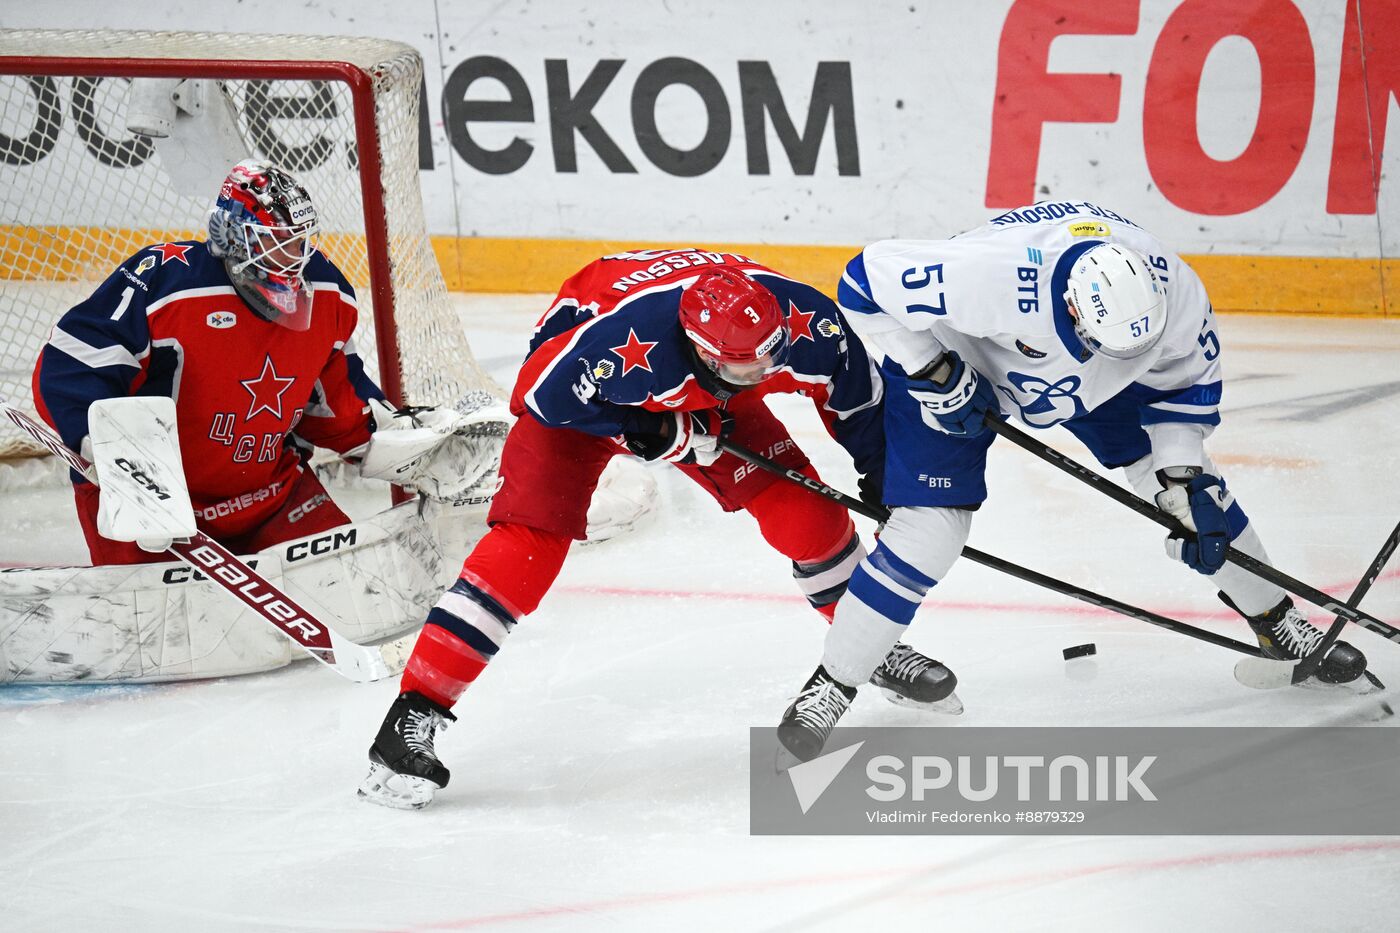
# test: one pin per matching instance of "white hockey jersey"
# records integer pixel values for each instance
(995, 295)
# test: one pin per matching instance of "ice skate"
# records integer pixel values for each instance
(809, 720)
(1285, 633)
(404, 769)
(908, 678)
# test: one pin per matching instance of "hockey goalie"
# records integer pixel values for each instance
(222, 364)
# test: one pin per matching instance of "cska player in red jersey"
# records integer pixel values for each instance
(654, 353)
(250, 334)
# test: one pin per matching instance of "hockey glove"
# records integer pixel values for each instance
(447, 454)
(952, 396)
(1199, 504)
(690, 437)
(871, 487)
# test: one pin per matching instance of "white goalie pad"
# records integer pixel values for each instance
(136, 451)
(372, 580)
(625, 497)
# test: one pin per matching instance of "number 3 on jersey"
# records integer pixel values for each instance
(916, 278)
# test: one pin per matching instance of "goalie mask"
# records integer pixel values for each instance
(736, 327)
(1118, 305)
(263, 226)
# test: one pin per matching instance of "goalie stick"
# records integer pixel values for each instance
(360, 663)
(1270, 674)
(880, 514)
(1148, 510)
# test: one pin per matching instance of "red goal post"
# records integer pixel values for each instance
(79, 192)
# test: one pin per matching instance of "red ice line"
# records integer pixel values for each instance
(1203, 860)
(1073, 608)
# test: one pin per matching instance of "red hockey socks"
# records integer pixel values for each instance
(816, 534)
(504, 578)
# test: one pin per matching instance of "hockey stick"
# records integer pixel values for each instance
(1148, 510)
(1270, 674)
(360, 663)
(880, 514)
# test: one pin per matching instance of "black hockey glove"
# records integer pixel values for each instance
(680, 437)
(872, 488)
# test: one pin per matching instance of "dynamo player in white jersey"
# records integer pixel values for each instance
(1060, 313)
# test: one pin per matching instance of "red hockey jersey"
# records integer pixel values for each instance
(251, 396)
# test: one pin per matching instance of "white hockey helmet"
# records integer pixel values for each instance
(1119, 307)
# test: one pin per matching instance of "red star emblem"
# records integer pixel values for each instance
(169, 251)
(634, 353)
(267, 390)
(800, 323)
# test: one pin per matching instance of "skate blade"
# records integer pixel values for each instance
(783, 760)
(388, 788)
(949, 705)
(1272, 674)
(1361, 686)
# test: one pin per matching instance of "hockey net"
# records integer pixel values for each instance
(79, 192)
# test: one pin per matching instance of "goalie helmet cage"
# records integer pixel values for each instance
(80, 193)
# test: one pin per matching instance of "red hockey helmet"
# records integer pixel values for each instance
(264, 227)
(736, 325)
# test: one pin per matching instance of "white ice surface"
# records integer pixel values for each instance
(600, 765)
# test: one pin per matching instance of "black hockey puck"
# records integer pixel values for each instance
(1385, 708)
(1080, 651)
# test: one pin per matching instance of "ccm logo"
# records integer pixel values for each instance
(323, 545)
(141, 478)
(256, 593)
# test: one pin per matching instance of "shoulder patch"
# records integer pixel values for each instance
(828, 328)
(1089, 228)
(145, 265)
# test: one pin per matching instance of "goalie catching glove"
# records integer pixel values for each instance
(441, 452)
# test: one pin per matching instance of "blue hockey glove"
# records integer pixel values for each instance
(953, 397)
(1200, 506)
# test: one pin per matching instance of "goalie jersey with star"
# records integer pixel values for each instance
(251, 396)
(612, 341)
(995, 295)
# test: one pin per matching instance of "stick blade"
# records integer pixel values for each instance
(1265, 673)
(364, 664)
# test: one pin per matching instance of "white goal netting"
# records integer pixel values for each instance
(80, 192)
